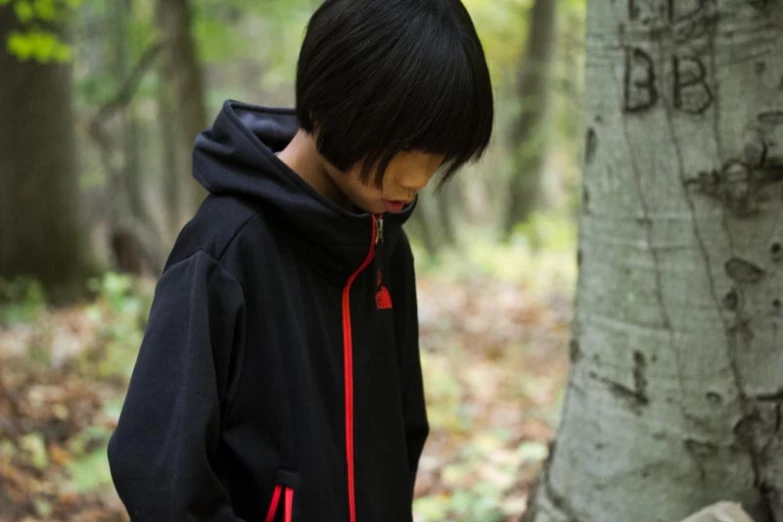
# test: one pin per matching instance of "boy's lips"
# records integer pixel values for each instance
(394, 206)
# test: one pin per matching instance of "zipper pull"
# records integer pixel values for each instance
(378, 230)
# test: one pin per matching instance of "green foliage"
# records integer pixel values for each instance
(99, 75)
(550, 231)
(38, 41)
(218, 41)
(40, 46)
(269, 32)
(89, 470)
(21, 300)
(501, 27)
(115, 290)
(141, 28)
(45, 10)
(119, 314)
(35, 446)
(540, 255)
(97, 88)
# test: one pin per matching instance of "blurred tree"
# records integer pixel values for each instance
(432, 223)
(421, 228)
(41, 233)
(529, 132)
(130, 122)
(674, 399)
(132, 236)
(449, 206)
(568, 105)
(182, 108)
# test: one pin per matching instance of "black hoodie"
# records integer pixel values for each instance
(279, 375)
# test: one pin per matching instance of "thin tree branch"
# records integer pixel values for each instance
(125, 95)
(99, 134)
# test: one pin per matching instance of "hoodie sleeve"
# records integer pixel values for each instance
(162, 453)
(413, 399)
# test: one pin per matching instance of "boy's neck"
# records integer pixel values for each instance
(301, 156)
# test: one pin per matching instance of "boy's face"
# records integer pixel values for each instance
(408, 173)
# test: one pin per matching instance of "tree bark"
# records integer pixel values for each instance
(675, 396)
(41, 230)
(529, 132)
(182, 101)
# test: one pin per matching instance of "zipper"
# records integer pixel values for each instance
(379, 228)
(375, 240)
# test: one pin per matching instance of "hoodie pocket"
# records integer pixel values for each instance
(286, 483)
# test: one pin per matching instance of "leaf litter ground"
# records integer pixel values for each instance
(495, 364)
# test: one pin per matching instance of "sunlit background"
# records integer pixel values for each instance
(100, 101)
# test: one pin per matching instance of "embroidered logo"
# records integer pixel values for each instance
(383, 300)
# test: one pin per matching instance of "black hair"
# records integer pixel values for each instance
(377, 77)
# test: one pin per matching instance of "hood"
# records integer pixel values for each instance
(237, 156)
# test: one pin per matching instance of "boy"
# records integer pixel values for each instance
(279, 376)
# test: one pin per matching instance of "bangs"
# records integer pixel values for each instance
(421, 85)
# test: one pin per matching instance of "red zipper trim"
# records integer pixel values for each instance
(270, 516)
(348, 358)
(289, 504)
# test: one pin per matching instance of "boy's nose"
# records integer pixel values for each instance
(415, 181)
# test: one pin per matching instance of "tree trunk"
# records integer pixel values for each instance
(421, 224)
(134, 243)
(447, 200)
(675, 396)
(183, 102)
(41, 231)
(173, 171)
(131, 171)
(529, 133)
(134, 180)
